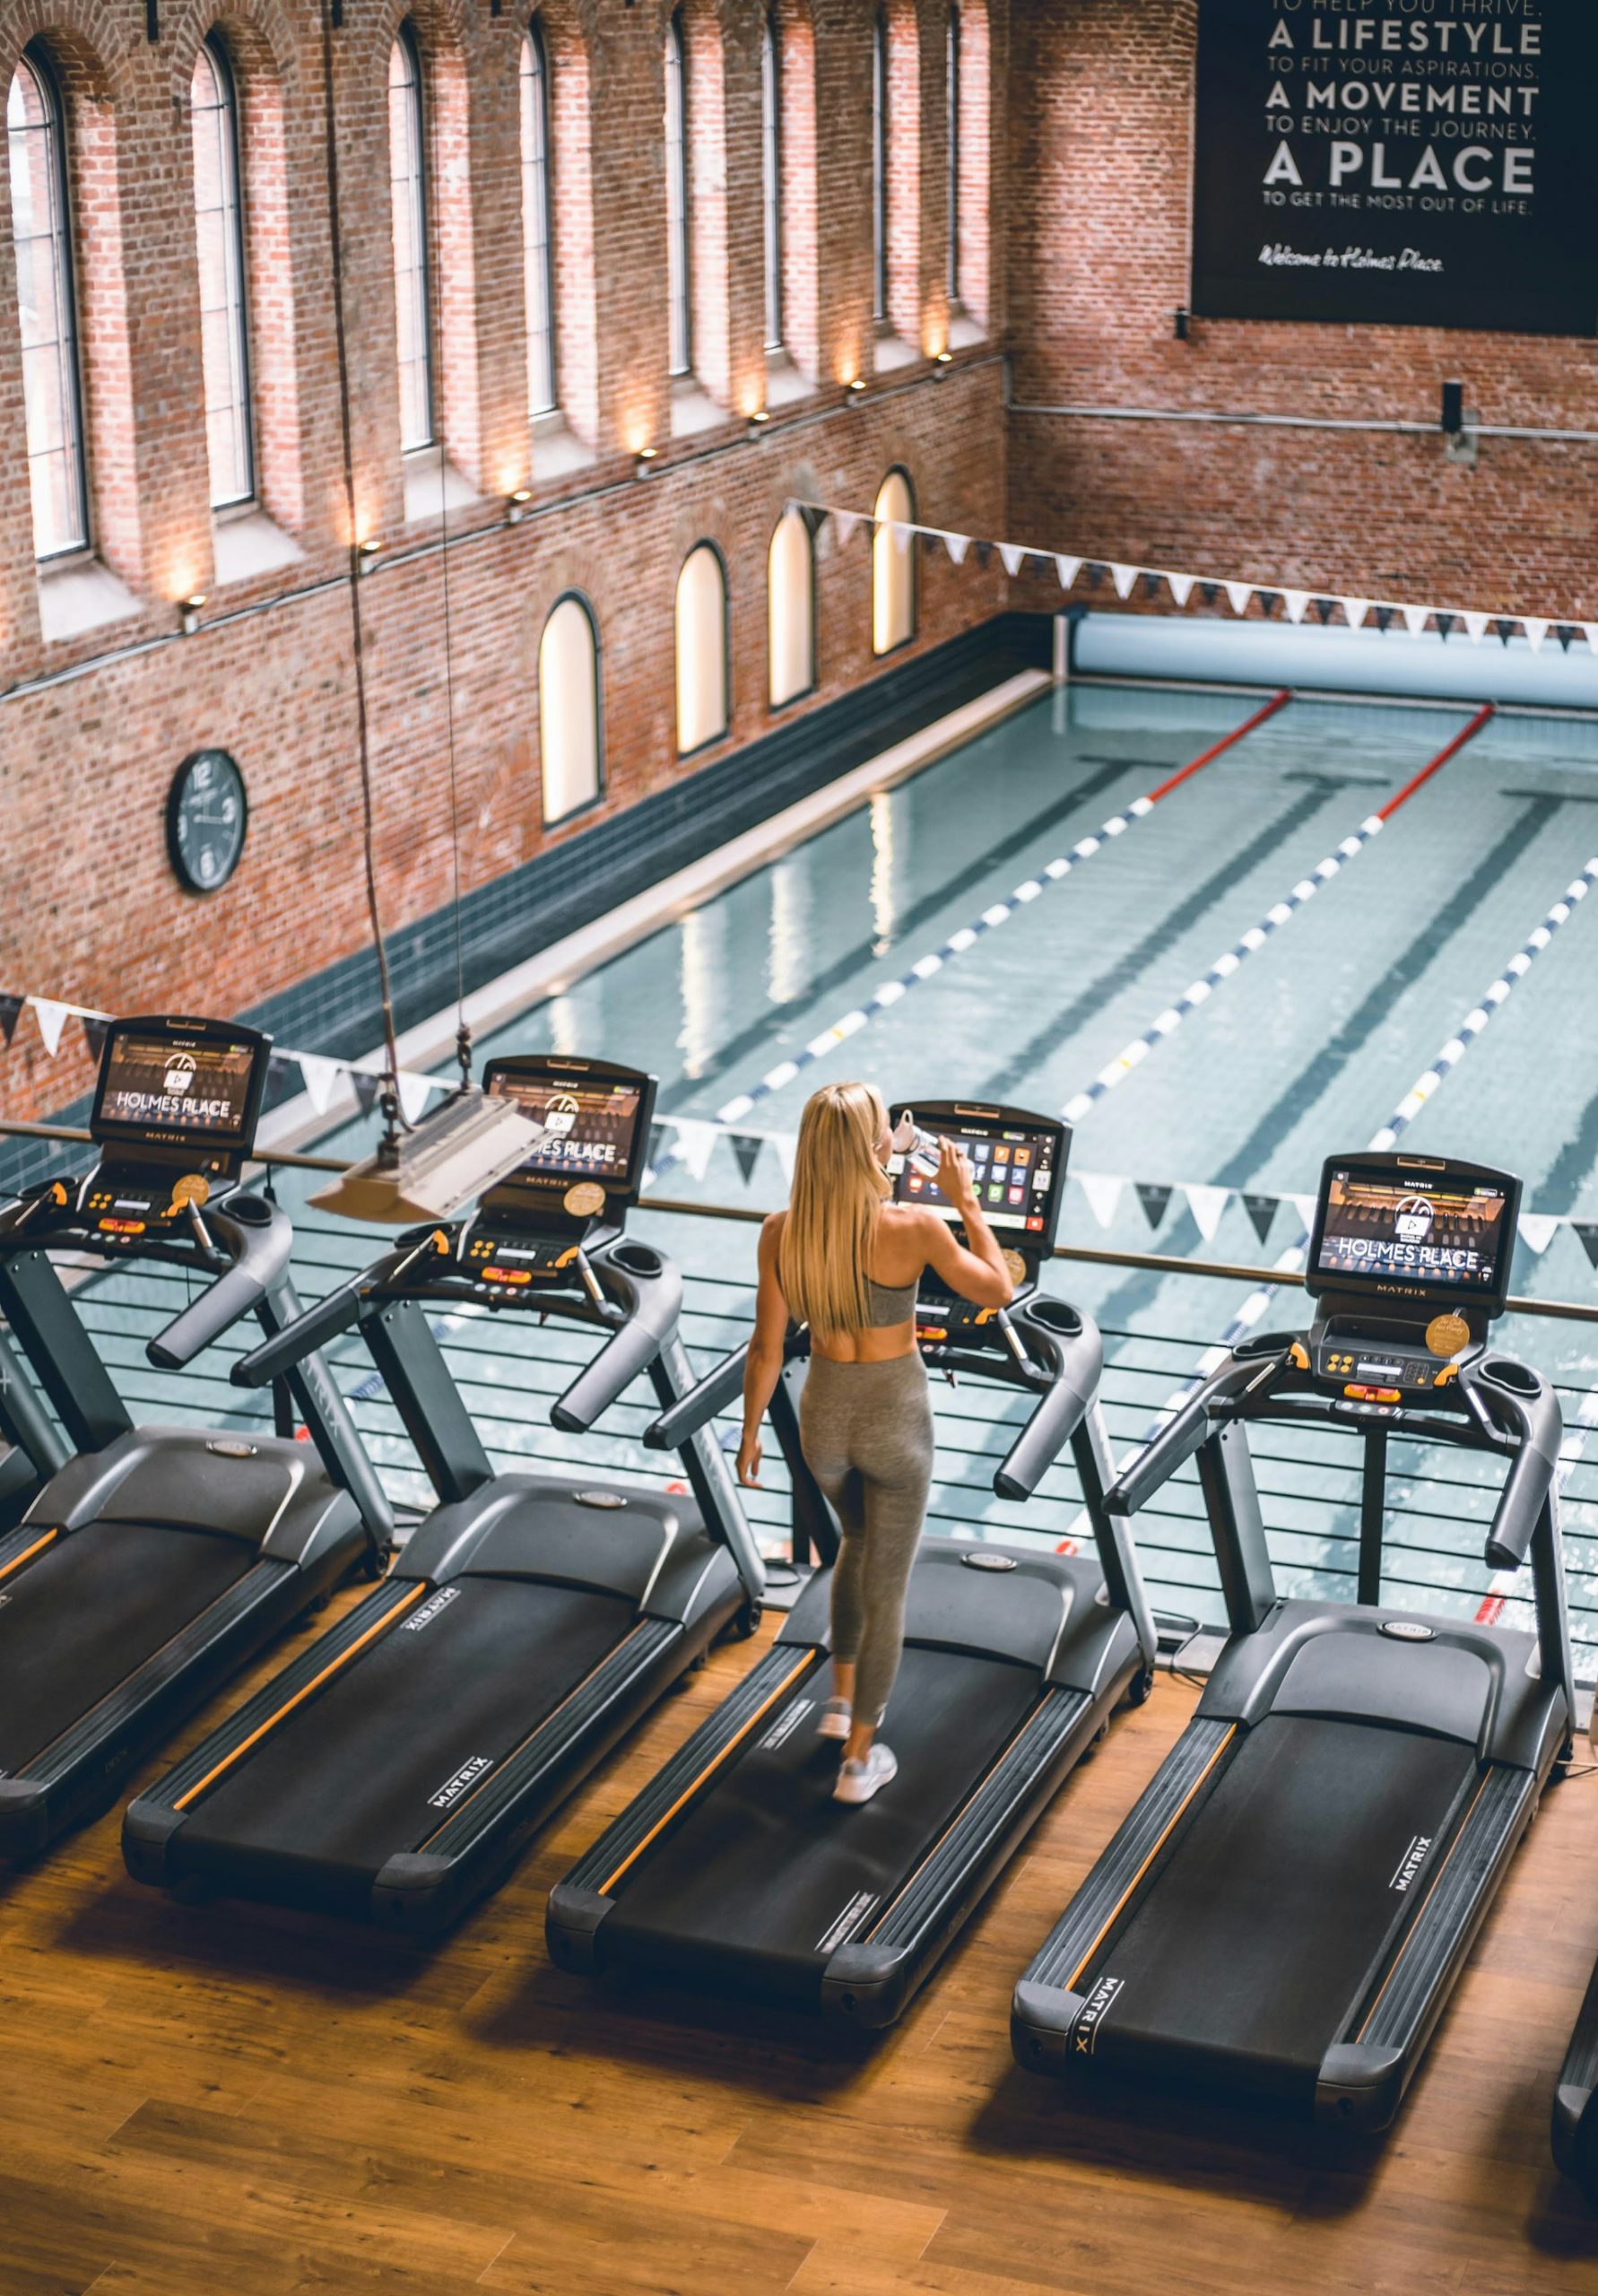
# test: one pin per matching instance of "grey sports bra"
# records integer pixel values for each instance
(891, 1303)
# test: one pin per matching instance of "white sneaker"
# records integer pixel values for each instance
(835, 1720)
(857, 1782)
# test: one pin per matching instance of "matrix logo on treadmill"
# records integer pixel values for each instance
(429, 1609)
(466, 1776)
(1411, 1862)
(1094, 2010)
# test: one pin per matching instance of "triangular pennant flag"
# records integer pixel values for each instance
(902, 534)
(1590, 632)
(1206, 1205)
(1536, 632)
(1268, 602)
(1209, 592)
(1094, 571)
(1306, 1207)
(52, 1020)
(1445, 623)
(1322, 608)
(784, 1143)
(319, 1075)
(94, 1036)
(10, 1010)
(1154, 1199)
(746, 1148)
(1538, 1229)
(1297, 603)
(957, 546)
(1069, 569)
(1586, 1233)
(413, 1094)
(1123, 577)
(1505, 627)
(1238, 595)
(1262, 1211)
(367, 1088)
(1565, 632)
(1010, 554)
(1415, 619)
(1354, 611)
(846, 521)
(1103, 1192)
(1475, 628)
(1181, 588)
(657, 1135)
(1151, 585)
(1384, 617)
(695, 1141)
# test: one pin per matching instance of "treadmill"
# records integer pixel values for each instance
(1283, 1913)
(735, 1869)
(1575, 2098)
(396, 1770)
(159, 1561)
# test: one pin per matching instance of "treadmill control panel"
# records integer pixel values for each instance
(502, 1266)
(587, 1163)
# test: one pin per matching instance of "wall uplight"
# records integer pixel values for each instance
(366, 554)
(642, 460)
(758, 421)
(188, 612)
(515, 502)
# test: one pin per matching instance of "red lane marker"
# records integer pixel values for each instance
(1277, 702)
(1385, 812)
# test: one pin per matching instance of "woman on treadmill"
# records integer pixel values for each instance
(848, 1263)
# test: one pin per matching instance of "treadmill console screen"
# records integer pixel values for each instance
(1406, 1228)
(1017, 1165)
(171, 1084)
(591, 1118)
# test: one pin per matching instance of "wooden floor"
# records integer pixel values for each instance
(229, 2100)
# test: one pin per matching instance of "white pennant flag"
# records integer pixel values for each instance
(1306, 1207)
(1297, 603)
(1475, 628)
(902, 534)
(413, 1093)
(319, 1075)
(1181, 587)
(1238, 595)
(695, 1141)
(1354, 611)
(1206, 1205)
(1538, 1229)
(1122, 577)
(1590, 629)
(52, 1018)
(957, 546)
(1103, 1192)
(1069, 569)
(1010, 554)
(1415, 619)
(846, 521)
(784, 1143)
(1536, 632)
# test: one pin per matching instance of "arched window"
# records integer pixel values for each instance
(218, 223)
(412, 291)
(679, 325)
(537, 236)
(702, 650)
(951, 103)
(771, 177)
(892, 566)
(41, 229)
(879, 170)
(568, 709)
(791, 608)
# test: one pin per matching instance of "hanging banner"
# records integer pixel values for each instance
(1385, 161)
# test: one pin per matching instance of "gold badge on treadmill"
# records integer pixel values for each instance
(193, 1189)
(583, 1198)
(1446, 1334)
(1017, 1266)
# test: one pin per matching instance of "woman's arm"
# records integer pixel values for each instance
(978, 1273)
(763, 1366)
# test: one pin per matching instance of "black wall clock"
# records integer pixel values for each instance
(207, 812)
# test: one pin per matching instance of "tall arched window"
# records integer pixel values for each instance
(771, 177)
(218, 223)
(892, 566)
(879, 170)
(412, 291)
(41, 229)
(537, 236)
(702, 650)
(679, 325)
(952, 104)
(791, 608)
(568, 709)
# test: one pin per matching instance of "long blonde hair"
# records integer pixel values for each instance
(829, 1239)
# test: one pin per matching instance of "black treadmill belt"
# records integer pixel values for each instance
(1261, 1929)
(767, 1873)
(89, 1612)
(353, 1776)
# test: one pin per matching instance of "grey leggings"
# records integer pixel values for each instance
(867, 1433)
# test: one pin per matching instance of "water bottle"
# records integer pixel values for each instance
(919, 1149)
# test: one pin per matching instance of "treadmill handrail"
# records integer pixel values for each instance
(336, 1311)
(1538, 1424)
(705, 1400)
(652, 1304)
(1074, 1360)
(1188, 1430)
(257, 1256)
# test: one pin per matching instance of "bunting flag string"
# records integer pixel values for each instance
(1413, 615)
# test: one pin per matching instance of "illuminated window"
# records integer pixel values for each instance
(568, 709)
(42, 234)
(679, 330)
(892, 566)
(412, 296)
(702, 650)
(771, 178)
(952, 100)
(879, 170)
(537, 238)
(791, 608)
(219, 220)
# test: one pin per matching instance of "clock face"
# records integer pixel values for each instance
(207, 811)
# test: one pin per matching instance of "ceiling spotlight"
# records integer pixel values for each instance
(188, 612)
(516, 503)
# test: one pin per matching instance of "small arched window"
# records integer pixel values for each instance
(568, 724)
(679, 322)
(892, 566)
(879, 170)
(951, 103)
(537, 234)
(219, 224)
(413, 290)
(771, 177)
(41, 231)
(702, 650)
(791, 608)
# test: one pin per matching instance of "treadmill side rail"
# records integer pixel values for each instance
(1575, 2101)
